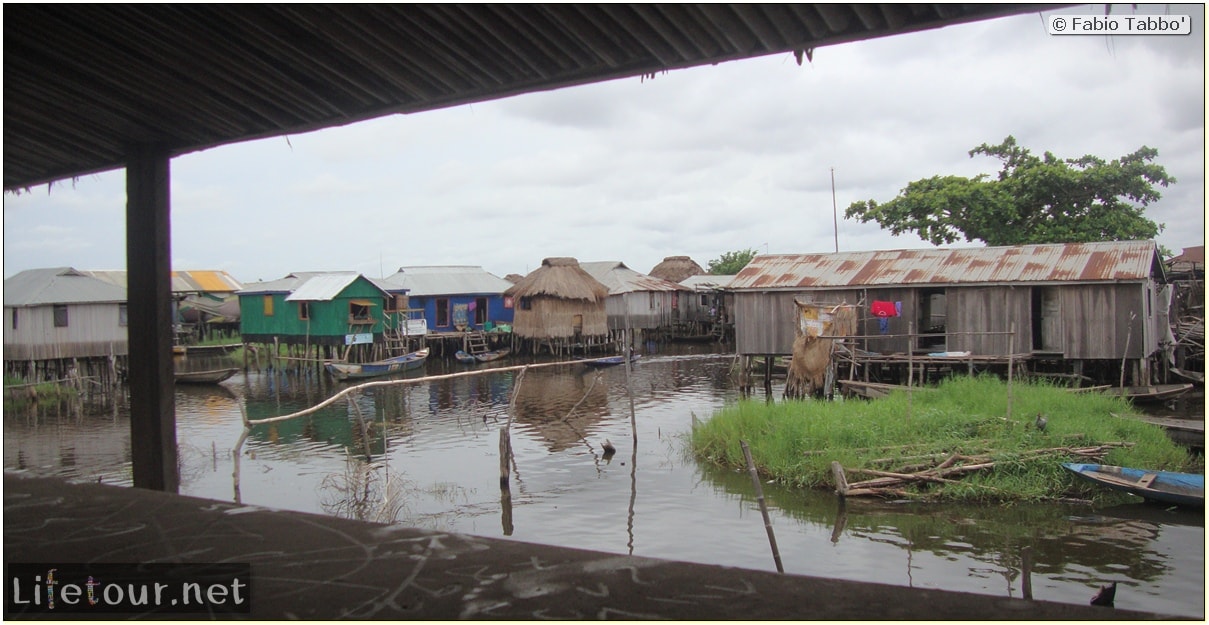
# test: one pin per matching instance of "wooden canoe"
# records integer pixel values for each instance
(1150, 392)
(609, 361)
(470, 359)
(1186, 489)
(398, 364)
(213, 376)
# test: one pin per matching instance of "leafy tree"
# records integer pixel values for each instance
(1033, 200)
(730, 263)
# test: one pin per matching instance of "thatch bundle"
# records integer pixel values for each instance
(677, 269)
(807, 375)
(559, 300)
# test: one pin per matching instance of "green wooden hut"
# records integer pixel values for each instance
(336, 308)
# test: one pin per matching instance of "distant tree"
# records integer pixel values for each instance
(1033, 200)
(731, 263)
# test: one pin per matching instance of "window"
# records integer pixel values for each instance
(15, 318)
(268, 305)
(123, 315)
(358, 312)
(442, 312)
(704, 299)
(526, 303)
(304, 311)
(480, 310)
(60, 315)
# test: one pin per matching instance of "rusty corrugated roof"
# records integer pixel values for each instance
(208, 281)
(1064, 262)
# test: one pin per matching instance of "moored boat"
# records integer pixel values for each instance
(213, 376)
(470, 359)
(609, 361)
(1187, 489)
(1150, 392)
(406, 362)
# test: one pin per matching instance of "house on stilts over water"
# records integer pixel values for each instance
(648, 306)
(462, 306)
(61, 323)
(561, 308)
(340, 315)
(1086, 310)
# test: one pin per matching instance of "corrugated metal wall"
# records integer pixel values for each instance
(647, 309)
(92, 330)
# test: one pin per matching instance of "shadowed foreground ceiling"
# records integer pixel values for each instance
(84, 83)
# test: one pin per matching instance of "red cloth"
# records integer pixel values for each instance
(884, 309)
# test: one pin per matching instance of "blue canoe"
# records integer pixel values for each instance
(406, 362)
(609, 361)
(1186, 489)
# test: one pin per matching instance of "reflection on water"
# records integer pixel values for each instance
(427, 455)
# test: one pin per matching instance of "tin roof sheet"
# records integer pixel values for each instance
(323, 287)
(621, 279)
(207, 281)
(59, 285)
(1063, 262)
(448, 280)
(707, 281)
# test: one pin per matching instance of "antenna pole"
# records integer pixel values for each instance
(834, 216)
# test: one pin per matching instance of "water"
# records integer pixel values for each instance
(438, 467)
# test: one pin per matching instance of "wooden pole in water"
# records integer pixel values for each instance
(505, 456)
(755, 482)
(1026, 572)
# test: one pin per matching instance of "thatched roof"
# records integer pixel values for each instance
(561, 278)
(676, 269)
(514, 277)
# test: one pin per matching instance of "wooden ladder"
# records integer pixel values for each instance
(476, 343)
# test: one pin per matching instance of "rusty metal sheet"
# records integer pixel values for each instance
(1079, 262)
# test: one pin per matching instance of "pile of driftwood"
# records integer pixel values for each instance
(942, 468)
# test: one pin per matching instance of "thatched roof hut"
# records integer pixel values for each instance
(514, 277)
(676, 269)
(559, 300)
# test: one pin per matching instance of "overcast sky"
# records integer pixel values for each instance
(693, 162)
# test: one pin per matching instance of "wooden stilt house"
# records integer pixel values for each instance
(54, 318)
(455, 298)
(1088, 305)
(646, 304)
(320, 309)
(559, 306)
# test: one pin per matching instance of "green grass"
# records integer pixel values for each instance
(794, 442)
(18, 395)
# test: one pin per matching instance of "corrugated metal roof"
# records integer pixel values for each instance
(448, 280)
(207, 281)
(59, 285)
(706, 281)
(323, 287)
(1066, 262)
(621, 279)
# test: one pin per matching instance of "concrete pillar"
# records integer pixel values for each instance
(149, 299)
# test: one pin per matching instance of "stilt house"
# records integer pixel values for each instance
(455, 298)
(1085, 303)
(643, 302)
(62, 314)
(559, 305)
(330, 308)
(709, 301)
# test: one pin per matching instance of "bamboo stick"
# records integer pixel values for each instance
(755, 481)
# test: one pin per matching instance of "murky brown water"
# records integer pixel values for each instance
(438, 467)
